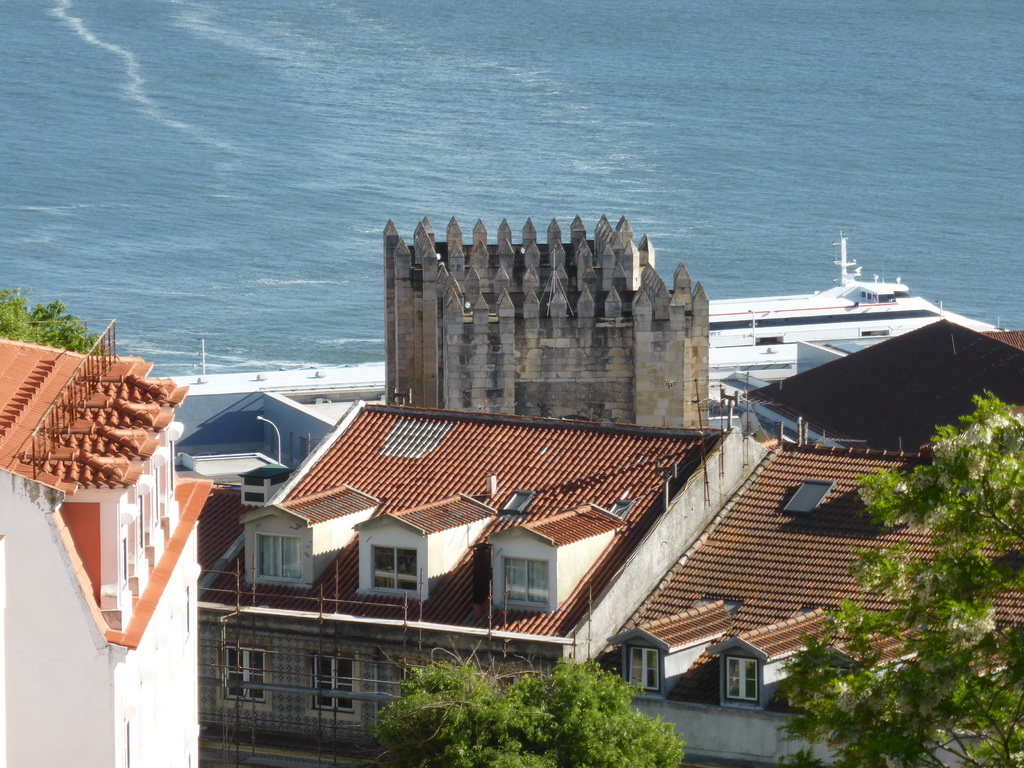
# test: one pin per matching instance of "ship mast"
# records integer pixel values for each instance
(846, 277)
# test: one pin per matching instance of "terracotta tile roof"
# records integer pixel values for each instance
(892, 395)
(1013, 338)
(785, 637)
(567, 464)
(705, 622)
(219, 524)
(330, 504)
(444, 514)
(777, 565)
(783, 569)
(575, 525)
(96, 415)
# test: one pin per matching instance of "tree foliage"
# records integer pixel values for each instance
(579, 716)
(51, 325)
(941, 676)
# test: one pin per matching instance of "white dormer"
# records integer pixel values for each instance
(655, 655)
(402, 553)
(753, 664)
(292, 541)
(538, 564)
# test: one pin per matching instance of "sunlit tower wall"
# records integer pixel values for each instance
(583, 328)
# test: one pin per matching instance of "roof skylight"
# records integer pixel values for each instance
(518, 502)
(411, 438)
(808, 496)
(621, 507)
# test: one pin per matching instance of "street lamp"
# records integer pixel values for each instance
(278, 431)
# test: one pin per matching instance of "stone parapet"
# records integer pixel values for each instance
(578, 329)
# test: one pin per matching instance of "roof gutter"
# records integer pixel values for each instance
(424, 625)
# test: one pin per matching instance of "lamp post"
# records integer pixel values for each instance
(278, 431)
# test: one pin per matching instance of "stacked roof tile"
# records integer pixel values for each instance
(413, 459)
(774, 564)
(574, 525)
(327, 505)
(447, 513)
(69, 425)
(705, 622)
(1013, 338)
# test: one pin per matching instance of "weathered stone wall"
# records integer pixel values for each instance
(583, 329)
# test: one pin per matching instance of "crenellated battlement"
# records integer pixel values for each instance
(583, 328)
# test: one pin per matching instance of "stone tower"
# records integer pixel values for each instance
(583, 328)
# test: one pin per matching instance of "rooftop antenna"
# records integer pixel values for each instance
(845, 276)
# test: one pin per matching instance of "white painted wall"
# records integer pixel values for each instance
(574, 560)
(158, 684)
(750, 737)
(60, 670)
(332, 535)
(453, 544)
(71, 692)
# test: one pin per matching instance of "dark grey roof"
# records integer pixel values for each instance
(894, 394)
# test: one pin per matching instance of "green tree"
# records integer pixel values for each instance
(579, 716)
(939, 677)
(48, 324)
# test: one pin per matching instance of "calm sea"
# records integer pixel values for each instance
(222, 169)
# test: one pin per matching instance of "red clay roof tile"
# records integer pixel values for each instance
(330, 504)
(567, 464)
(445, 514)
(575, 525)
(95, 415)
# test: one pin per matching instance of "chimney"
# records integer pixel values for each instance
(481, 579)
(492, 486)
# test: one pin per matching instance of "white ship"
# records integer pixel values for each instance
(772, 337)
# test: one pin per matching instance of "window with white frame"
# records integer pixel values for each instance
(395, 568)
(526, 581)
(644, 668)
(332, 677)
(244, 674)
(278, 557)
(740, 678)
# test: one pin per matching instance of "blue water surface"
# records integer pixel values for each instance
(223, 169)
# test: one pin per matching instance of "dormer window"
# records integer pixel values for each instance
(644, 668)
(278, 557)
(526, 581)
(395, 568)
(741, 678)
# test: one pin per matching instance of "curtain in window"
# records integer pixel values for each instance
(643, 667)
(291, 561)
(526, 581)
(280, 556)
(741, 678)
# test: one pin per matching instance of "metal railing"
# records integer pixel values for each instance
(70, 402)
